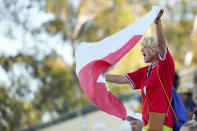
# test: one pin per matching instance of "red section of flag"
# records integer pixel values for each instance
(96, 91)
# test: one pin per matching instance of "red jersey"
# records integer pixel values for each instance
(157, 101)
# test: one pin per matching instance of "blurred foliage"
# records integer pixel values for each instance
(98, 28)
(58, 88)
(15, 114)
(53, 94)
(56, 93)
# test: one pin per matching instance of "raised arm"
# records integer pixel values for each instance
(118, 79)
(160, 36)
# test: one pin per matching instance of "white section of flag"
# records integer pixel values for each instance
(87, 52)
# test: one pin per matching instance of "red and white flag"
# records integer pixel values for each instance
(93, 59)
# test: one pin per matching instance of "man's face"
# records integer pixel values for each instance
(136, 125)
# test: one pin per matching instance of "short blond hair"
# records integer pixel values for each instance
(151, 42)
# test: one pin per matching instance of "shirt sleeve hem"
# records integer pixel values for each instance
(164, 57)
(131, 83)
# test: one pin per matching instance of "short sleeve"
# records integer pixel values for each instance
(135, 78)
(167, 61)
(165, 53)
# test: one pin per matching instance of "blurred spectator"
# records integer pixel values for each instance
(194, 117)
(135, 120)
(99, 127)
(186, 97)
(189, 126)
(176, 80)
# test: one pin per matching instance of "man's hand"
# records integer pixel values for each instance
(159, 16)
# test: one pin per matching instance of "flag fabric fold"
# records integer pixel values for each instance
(93, 59)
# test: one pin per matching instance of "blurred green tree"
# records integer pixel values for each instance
(53, 93)
(14, 113)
